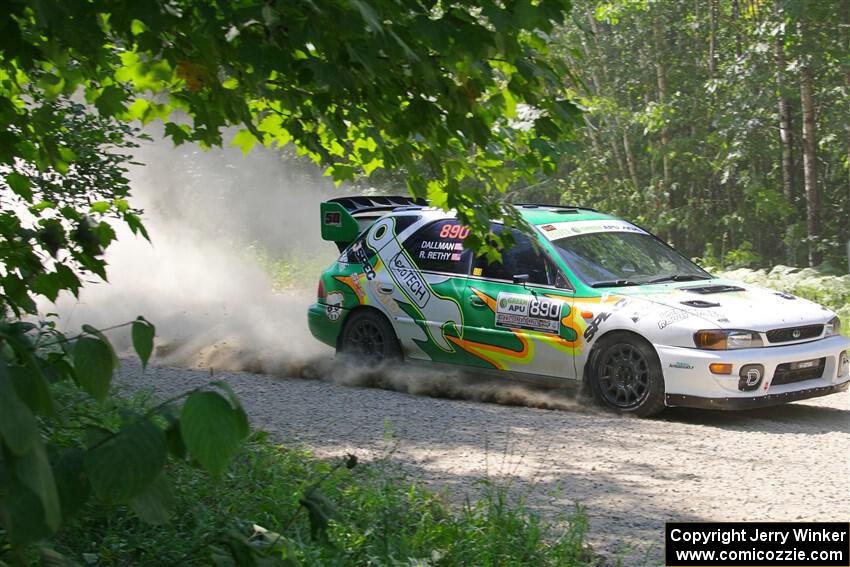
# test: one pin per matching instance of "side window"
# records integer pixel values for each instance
(521, 258)
(438, 247)
(357, 251)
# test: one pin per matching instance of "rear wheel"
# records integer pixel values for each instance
(368, 336)
(626, 375)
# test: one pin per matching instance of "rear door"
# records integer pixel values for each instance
(428, 275)
(518, 313)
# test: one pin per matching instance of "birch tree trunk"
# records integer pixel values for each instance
(786, 139)
(810, 179)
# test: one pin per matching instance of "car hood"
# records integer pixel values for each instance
(733, 305)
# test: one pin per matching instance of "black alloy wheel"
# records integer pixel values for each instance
(369, 337)
(625, 375)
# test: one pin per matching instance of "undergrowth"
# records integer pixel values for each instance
(832, 292)
(296, 509)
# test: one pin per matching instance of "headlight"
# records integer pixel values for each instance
(833, 327)
(722, 339)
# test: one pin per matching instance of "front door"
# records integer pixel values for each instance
(518, 313)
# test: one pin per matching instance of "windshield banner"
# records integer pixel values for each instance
(557, 230)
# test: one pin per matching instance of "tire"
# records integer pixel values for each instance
(369, 337)
(626, 376)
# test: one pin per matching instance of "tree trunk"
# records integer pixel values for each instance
(809, 152)
(663, 97)
(786, 140)
(594, 142)
(712, 37)
(630, 160)
(736, 17)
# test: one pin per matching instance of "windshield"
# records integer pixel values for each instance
(608, 259)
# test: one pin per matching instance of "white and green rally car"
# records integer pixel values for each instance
(587, 297)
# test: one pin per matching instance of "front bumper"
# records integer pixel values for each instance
(688, 381)
(683, 400)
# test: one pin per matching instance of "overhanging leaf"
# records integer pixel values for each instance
(18, 427)
(143, 333)
(33, 471)
(93, 366)
(20, 185)
(125, 465)
(153, 505)
(212, 430)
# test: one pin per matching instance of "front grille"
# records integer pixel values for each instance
(788, 334)
(786, 374)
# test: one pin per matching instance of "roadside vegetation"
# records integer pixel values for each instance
(277, 505)
(830, 291)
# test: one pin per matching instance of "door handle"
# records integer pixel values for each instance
(385, 288)
(476, 301)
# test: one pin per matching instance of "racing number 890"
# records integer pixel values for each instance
(454, 231)
(545, 309)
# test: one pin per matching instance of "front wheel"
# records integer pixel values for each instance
(369, 337)
(626, 375)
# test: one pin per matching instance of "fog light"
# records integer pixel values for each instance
(720, 368)
(750, 377)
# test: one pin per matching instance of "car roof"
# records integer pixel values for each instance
(534, 214)
(546, 214)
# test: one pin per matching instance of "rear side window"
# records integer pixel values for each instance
(358, 252)
(438, 247)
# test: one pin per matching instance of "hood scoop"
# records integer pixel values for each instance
(707, 289)
(700, 303)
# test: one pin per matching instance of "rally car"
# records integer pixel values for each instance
(587, 297)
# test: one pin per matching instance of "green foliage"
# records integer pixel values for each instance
(282, 506)
(464, 99)
(57, 218)
(213, 427)
(143, 333)
(63, 449)
(683, 123)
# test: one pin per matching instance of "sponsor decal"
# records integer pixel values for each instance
(362, 258)
(593, 326)
(548, 227)
(672, 316)
(753, 376)
(517, 311)
(597, 321)
(564, 229)
(408, 277)
(682, 365)
(334, 305)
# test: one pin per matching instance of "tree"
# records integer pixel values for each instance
(464, 100)
(431, 88)
(714, 97)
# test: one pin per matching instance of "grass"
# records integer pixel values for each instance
(319, 512)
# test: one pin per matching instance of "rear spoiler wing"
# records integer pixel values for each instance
(345, 217)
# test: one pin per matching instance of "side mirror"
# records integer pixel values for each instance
(521, 279)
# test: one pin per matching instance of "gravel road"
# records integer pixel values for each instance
(785, 463)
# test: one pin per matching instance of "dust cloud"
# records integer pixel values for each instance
(213, 217)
